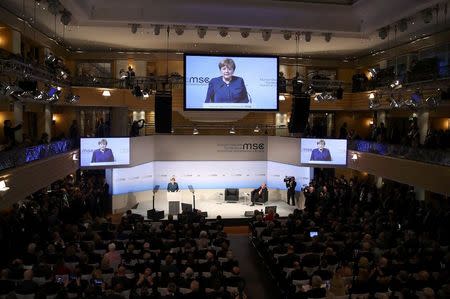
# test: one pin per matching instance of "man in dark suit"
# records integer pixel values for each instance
(320, 153)
(259, 194)
(290, 185)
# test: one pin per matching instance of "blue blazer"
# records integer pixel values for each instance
(220, 92)
(317, 155)
(99, 156)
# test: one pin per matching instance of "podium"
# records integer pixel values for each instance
(174, 202)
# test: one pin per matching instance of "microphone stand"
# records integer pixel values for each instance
(193, 200)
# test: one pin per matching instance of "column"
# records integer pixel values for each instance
(48, 118)
(18, 119)
(381, 117)
(420, 193)
(119, 121)
(330, 124)
(423, 118)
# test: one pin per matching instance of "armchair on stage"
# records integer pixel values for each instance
(259, 199)
(231, 194)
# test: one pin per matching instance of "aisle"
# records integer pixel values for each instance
(259, 283)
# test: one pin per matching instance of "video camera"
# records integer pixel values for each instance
(287, 179)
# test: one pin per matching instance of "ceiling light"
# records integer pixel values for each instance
(75, 157)
(156, 29)
(307, 36)
(195, 131)
(3, 186)
(281, 97)
(201, 31)
(106, 93)
(179, 29)
(427, 15)
(383, 32)
(66, 17)
(266, 33)
(232, 131)
(327, 36)
(256, 129)
(245, 32)
(371, 95)
(223, 31)
(134, 27)
(354, 156)
(287, 35)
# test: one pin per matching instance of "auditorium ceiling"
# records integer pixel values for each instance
(353, 26)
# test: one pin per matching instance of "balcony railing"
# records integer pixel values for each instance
(440, 157)
(20, 156)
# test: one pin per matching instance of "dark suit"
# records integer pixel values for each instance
(102, 156)
(318, 155)
(259, 195)
(221, 92)
(291, 191)
(172, 187)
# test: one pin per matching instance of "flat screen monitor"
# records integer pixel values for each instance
(107, 151)
(227, 82)
(323, 152)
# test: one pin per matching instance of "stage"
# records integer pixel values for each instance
(215, 207)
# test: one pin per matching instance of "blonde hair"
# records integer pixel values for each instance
(227, 62)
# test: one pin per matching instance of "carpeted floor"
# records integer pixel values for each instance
(259, 284)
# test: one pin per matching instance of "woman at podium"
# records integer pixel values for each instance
(172, 186)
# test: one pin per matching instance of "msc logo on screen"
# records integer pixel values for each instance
(198, 80)
(253, 146)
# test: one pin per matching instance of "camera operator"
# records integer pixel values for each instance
(290, 185)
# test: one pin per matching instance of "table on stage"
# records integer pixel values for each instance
(174, 202)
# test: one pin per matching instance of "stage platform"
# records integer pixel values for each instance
(228, 210)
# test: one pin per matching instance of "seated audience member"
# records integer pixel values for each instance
(113, 256)
(27, 285)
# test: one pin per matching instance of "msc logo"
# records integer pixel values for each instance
(253, 146)
(198, 79)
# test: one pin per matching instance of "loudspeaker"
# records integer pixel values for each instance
(174, 207)
(249, 213)
(299, 113)
(163, 112)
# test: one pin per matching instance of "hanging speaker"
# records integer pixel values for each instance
(163, 112)
(299, 113)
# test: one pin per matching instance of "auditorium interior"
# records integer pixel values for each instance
(249, 149)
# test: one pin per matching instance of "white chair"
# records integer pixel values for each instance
(185, 291)
(126, 294)
(288, 271)
(310, 270)
(52, 296)
(72, 295)
(232, 290)
(206, 274)
(27, 296)
(380, 295)
(39, 280)
(227, 274)
(86, 277)
(223, 260)
(163, 291)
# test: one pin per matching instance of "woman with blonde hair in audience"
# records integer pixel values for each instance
(337, 286)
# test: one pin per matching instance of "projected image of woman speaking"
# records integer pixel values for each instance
(227, 88)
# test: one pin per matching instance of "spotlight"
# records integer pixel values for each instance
(327, 36)
(106, 93)
(373, 72)
(72, 99)
(195, 131)
(256, 129)
(201, 31)
(179, 29)
(75, 157)
(223, 31)
(3, 186)
(281, 97)
(232, 131)
(371, 96)
(156, 29)
(266, 33)
(396, 84)
(146, 93)
(307, 36)
(245, 32)
(354, 156)
(403, 25)
(383, 32)
(134, 27)
(66, 17)
(427, 15)
(287, 35)
(393, 103)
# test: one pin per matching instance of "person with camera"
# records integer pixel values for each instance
(290, 185)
